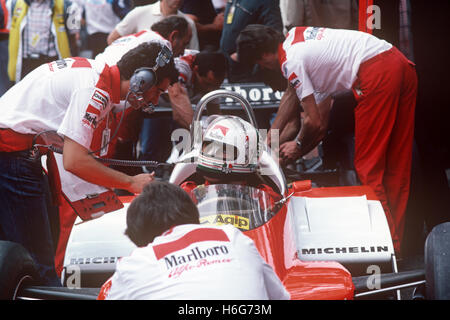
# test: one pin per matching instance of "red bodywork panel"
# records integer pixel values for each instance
(304, 280)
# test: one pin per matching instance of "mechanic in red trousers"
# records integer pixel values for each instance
(71, 96)
(177, 258)
(321, 62)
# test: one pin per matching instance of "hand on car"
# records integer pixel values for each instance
(140, 181)
(289, 152)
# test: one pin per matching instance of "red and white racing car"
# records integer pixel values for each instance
(323, 243)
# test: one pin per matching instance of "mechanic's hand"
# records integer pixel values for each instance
(218, 21)
(289, 152)
(140, 181)
(176, 89)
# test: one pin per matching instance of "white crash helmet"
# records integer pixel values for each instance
(229, 147)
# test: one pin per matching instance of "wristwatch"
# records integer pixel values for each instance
(299, 143)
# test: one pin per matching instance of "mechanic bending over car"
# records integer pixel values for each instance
(200, 73)
(321, 62)
(70, 96)
(174, 32)
(177, 258)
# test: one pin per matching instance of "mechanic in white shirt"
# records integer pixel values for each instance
(143, 17)
(178, 258)
(172, 31)
(175, 33)
(71, 96)
(321, 62)
(200, 73)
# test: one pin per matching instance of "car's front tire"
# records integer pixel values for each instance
(437, 263)
(17, 267)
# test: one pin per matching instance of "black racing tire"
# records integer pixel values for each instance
(17, 267)
(437, 263)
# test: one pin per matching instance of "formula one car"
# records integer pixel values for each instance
(323, 243)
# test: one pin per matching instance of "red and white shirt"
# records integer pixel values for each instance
(196, 262)
(324, 61)
(70, 96)
(115, 51)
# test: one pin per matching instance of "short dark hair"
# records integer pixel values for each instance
(214, 61)
(172, 23)
(160, 206)
(255, 40)
(145, 55)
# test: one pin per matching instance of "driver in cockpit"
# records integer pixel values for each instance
(230, 154)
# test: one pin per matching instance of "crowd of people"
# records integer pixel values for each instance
(71, 66)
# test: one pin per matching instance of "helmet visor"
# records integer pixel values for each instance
(220, 151)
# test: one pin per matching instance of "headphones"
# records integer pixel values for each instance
(144, 78)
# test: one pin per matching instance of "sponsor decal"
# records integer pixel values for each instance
(178, 263)
(93, 110)
(91, 117)
(344, 250)
(193, 255)
(221, 219)
(255, 93)
(314, 33)
(60, 64)
(226, 169)
(94, 260)
(99, 102)
(100, 98)
(293, 79)
(194, 251)
(222, 129)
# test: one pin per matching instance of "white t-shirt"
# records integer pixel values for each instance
(115, 51)
(143, 17)
(70, 96)
(196, 262)
(324, 61)
(99, 16)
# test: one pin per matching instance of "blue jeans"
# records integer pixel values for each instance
(5, 83)
(23, 211)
